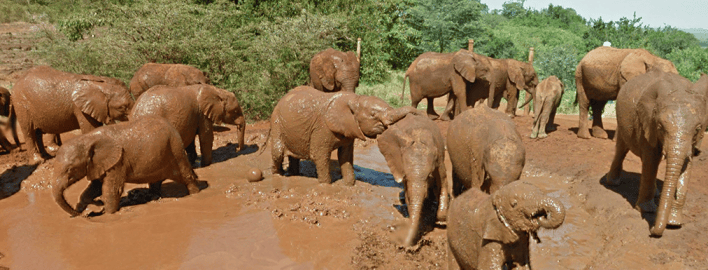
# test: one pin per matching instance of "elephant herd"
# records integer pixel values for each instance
(145, 134)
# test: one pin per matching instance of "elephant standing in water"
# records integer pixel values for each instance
(547, 98)
(332, 70)
(660, 113)
(414, 149)
(152, 74)
(50, 101)
(138, 151)
(434, 75)
(489, 232)
(7, 110)
(309, 124)
(599, 77)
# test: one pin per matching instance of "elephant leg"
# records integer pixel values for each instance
(459, 88)
(444, 197)
(112, 190)
(544, 118)
(54, 142)
(597, 130)
(647, 184)
(445, 116)
(191, 152)
(5, 143)
(30, 135)
(621, 149)
(206, 140)
(552, 118)
(415, 196)
(320, 155)
(491, 256)
(293, 166)
(676, 217)
(93, 191)
(186, 174)
(40, 144)
(277, 154)
(345, 154)
(431, 109)
(583, 104)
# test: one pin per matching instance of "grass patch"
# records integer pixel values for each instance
(389, 90)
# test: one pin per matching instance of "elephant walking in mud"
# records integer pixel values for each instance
(309, 124)
(414, 149)
(599, 77)
(492, 231)
(50, 101)
(547, 98)
(142, 151)
(660, 114)
(152, 74)
(332, 71)
(485, 150)
(6, 109)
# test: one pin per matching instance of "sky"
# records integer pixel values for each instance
(654, 13)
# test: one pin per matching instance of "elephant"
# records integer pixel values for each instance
(492, 231)
(434, 75)
(6, 109)
(332, 70)
(485, 150)
(507, 79)
(309, 124)
(599, 77)
(547, 98)
(659, 113)
(193, 110)
(50, 101)
(414, 149)
(152, 74)
(147, 150)
(516, 68)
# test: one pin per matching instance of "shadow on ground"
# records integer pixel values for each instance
(11, 179)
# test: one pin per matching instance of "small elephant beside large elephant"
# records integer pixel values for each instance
(152, 74)
(309, 124)
(547, 98)
(138, 151)
(6, 109)
(486, 150)
(599, 77)
(660, 114)
(332, 70)
(414, 149)
(50, 101)
(193, 110)
(492, 231)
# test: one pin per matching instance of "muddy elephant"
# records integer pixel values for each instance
(492, 231)
(309, 124)
(50, 101)
(414, 149)
(507, 78)
(7, 110)
(152, 74)
(111, 156)
(193, 110)
(515, 70)
(659, 114)
(485, 150)
(599, 77)
(332, 70)
(547, 98)
(434, 75)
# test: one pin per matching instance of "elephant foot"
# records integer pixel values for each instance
(442, 215)
(445, 117)
(433, 116)
(598, 132)
(348, 182)
(53, 148)
(583, 133)
(646, 207)
(533, 136)
(611, 181)
(675, 218)
(542, 135)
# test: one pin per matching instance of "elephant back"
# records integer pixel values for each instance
(178, 105)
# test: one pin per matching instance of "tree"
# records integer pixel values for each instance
(444, 25)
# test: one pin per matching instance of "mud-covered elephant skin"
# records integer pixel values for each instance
(599, 77)
(414, 149)
(485, 150)
(659, 114)
(193, 110)
(547, 98)
(434, 75)
(332, 70)
(152, 74)
(7, 110)
(138, 151)
(517, 70)
(492, 231)
(309, 124)
(50, 101)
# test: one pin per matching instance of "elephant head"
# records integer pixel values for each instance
(523, 208)
(221, 106)
(471, 65)
(358, 116)
(336, 70)
(88, 156)
(104, 99)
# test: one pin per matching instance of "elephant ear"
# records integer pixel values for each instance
(495, 228)
(516, 76)
(325, 69)
(89, 98)
(339, 116)
(633, 64)
(103, 154)
(646, 110)
(390, 143)
(211, 104)
(465, 64)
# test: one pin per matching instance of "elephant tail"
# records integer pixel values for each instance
(261, 148)
(12, 122)
(403, 91)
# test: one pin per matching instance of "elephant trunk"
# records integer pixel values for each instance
(676, 158)
(61, 184)
(394, 115)
(416, 191)
(241, 124)
(554, 213)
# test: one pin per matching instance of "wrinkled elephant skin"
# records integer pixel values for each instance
(491, 231)
(137, 151)
(599, 77)
(546, 101)
(415, 152)
(152, 74)
(332, 70)
(659, 113)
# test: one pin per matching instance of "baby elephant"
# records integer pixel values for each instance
(415, 152)
(141, 151)
(6, 110)
(547, 98)
(485, 150)
(488, 232)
